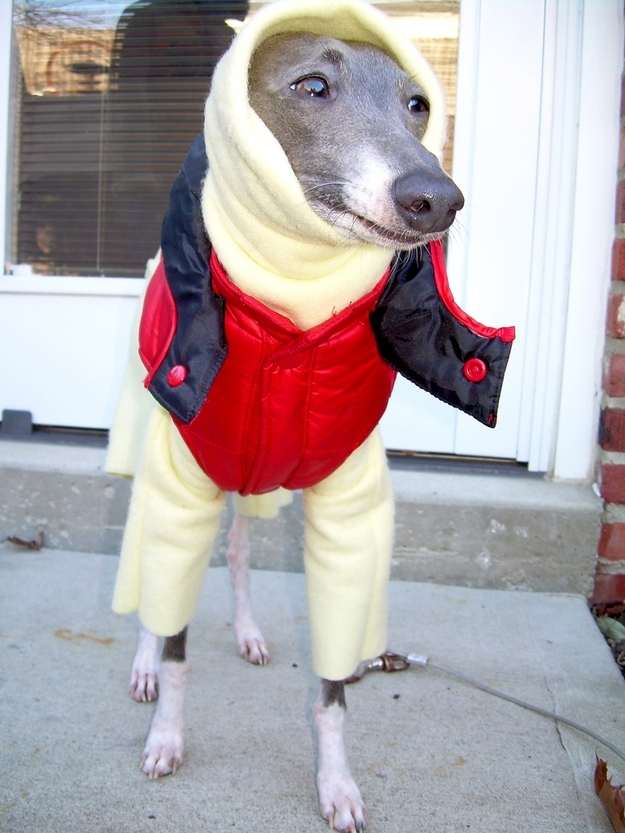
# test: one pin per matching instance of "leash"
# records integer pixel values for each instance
(390, 662)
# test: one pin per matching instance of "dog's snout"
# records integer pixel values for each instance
(428, 201)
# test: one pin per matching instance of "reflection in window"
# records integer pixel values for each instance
(110, 94)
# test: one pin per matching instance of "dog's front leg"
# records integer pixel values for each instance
(339, 797)
(249, 638)
(163, 749)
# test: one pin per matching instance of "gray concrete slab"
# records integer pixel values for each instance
(453, 527)
(430, 753)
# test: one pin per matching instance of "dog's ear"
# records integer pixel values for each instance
(425, 336)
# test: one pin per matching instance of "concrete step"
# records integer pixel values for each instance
(499, 529)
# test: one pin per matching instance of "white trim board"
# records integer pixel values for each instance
(62, 356)
(592, 237)
(62, 285)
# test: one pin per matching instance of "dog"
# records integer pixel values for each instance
(351, 122)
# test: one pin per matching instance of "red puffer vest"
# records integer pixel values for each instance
(287, 407)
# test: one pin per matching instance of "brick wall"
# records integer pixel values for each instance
(610, 576)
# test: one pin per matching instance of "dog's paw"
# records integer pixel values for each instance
(251, 644)
(143, 685)
(163, 751)
(341, 804)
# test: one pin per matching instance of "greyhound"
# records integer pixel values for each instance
(350, 121)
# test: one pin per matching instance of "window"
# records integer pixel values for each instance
(110, 95)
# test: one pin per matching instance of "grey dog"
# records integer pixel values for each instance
(350, 121)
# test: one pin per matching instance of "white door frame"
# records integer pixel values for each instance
(6, 29)
(592, 237)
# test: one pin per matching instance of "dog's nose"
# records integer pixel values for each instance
(427, 200)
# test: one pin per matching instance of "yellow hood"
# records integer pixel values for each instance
(271, 242)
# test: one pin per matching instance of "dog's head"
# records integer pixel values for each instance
(304, 210)
(352, 123)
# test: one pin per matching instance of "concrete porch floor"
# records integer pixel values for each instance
(430, 753)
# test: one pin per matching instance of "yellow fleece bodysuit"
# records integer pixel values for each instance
(275, 248)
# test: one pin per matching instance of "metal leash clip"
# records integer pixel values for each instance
(389, 661)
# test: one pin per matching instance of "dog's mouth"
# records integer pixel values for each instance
(354, 226)
(406, 238)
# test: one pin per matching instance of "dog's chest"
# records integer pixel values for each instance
(288, 406)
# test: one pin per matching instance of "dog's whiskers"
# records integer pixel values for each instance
(458, 231)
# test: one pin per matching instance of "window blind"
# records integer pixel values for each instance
(110, 96)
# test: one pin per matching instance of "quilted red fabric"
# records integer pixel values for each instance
(287, 406)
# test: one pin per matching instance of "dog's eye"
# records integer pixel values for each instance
(418, 104)
(312, 86)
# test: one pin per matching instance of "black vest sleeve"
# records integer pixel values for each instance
(419, 336)
(199, 343)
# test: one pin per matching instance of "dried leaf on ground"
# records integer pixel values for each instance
(612, 798)
(615, 609)
(35, 544)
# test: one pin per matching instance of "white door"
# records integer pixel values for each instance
(535, 143)
(496, 139)
(535, 152)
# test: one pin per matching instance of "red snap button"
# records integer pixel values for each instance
(475, 370)
(177, 375)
